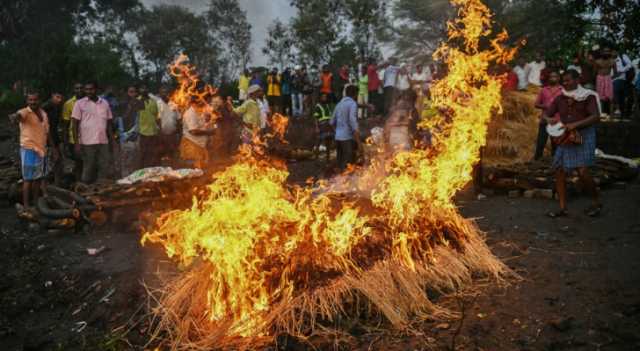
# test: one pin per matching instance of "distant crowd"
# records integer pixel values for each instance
(106, 136)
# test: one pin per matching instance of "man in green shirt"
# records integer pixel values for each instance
(249, 111)
(148, 129)
(68, 139)
(324, 131)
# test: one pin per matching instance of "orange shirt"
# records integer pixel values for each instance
(33, 132)
(326, 82)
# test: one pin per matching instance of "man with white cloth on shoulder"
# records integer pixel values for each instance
(579, 111)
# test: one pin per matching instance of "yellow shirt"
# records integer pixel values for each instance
(250, 112)
(243, 83)
(273, 85)
(67, 109)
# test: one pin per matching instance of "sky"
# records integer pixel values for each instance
(260, 14)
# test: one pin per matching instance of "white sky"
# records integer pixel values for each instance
(260, 14)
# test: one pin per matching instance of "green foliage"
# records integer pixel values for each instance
(279, 45)
(229, 28)
(168, 30)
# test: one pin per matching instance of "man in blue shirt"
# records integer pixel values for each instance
(345, 123)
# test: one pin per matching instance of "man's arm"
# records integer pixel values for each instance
(15, 117)
(353, 122)
(538, 104)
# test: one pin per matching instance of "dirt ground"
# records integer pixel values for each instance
(579, 286)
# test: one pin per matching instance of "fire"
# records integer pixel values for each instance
(190, 90)
(259, 244)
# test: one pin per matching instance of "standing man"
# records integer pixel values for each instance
(345, 123)
(197, 127)
(547, 95)
(324, 132)
(622, 81)
(243, 85)
(92, 128)
(297, 86)
(34, 131)
(520, 72)
(579, 111)
(53, 109)
(604, 64)
(148, 129)
(326, 79)
(68, 138)
(534, 70)
(374, 84)
(265, 109)
(389, 83)
(128, 131)
(363, 92)
(274, 89)
(286, 92)
(342, 81)
(420, 79)
(249, 111)
(168, 138)
(225, 137)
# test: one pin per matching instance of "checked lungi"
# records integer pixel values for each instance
(574, 156)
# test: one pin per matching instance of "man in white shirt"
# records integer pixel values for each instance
(522, 75)
(534, 70)
(197, 127)
(621, 87)
(168, 115)
(265, 110)
(389, 83)
(420, 79)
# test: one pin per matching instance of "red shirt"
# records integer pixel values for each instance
(510, 82)
(547, 94)
(571, 110)
(327, 79)
(374, 79)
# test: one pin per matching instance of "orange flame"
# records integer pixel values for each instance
(266, 241)
(190, 90)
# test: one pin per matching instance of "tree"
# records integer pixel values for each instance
(316, 29)
(418, 27)
(168, 30)
(39, 39)
(230, 28)
(279, 44)
(551, 26)
(367, 19)
(616, 22)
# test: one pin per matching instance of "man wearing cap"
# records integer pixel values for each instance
(250, 114)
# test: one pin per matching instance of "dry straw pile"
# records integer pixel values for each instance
(512, 135)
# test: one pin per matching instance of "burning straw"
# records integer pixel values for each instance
(263, 257)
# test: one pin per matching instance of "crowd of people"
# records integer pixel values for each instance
(296, 90)
(107, 136)
(575, 95)
(609, 72)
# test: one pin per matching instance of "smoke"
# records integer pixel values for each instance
(260, 13)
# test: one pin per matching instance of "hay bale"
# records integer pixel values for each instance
(511, 136)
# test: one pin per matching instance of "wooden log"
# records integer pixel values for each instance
(45, 210)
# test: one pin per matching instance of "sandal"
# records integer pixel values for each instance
(558, 214)
(593, 211)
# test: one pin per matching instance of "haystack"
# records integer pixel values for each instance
(386, 286)
(512, 134)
